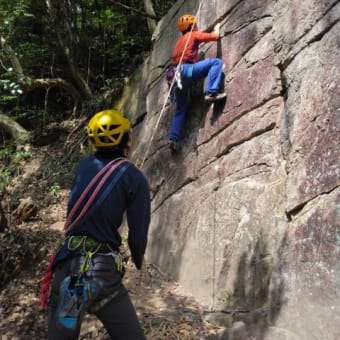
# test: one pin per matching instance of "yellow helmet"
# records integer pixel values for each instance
(185, 21)
(106, 128)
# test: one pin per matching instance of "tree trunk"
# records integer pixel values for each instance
(11, 56)
(62, 22)
(152, 23)
(20, 135)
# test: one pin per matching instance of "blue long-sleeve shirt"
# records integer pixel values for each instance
(130, 195)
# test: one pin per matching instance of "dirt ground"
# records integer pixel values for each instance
(164, 309)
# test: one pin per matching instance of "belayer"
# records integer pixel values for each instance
(185, 56)
(88, 269)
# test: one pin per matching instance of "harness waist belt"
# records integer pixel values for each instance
(88, 244)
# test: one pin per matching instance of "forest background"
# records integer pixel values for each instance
(64, 59)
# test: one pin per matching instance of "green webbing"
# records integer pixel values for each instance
(101, 303)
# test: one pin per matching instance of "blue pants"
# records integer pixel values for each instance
(210, 68)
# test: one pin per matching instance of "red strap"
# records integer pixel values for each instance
(109, 168)
(45, 286)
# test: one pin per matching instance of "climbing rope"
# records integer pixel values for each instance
(142, 274)
(219, 174)
(215, 238)
(170, 88)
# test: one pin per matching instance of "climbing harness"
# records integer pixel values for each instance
(170, 73)
(174, 75)
(90, 246)
(105, 173)
(77, 291)
(170, 77)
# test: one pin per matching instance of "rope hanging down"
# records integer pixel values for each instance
(171, 86)
(219, 175)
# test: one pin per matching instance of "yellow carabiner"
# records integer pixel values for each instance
(85, 266)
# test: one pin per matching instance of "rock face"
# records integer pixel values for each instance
(246, 216)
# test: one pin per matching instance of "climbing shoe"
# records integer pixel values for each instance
(211, 97)
(173, 145)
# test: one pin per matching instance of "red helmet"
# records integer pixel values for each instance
(185, 21)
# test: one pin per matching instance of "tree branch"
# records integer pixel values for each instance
(20, 135)
(57, 82)
(135, 10)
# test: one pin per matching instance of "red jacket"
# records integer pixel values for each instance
(191, 49)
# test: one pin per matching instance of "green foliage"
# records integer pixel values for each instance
(10, 160)
(10, 84)
(55, 190)
(162, 6)
(20, 156)
(5, 177)
(11, 11)
(104, 40)
(124, 238)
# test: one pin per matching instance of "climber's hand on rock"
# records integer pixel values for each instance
(217, 29)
